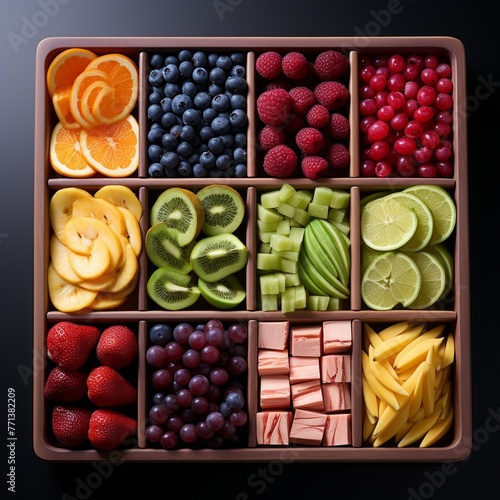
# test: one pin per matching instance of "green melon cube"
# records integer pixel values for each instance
(267, 226)
(268, 214)
(300, 297)
(337, 214)
(312, 303)
(292, 279)
(281, 281)
(289, 266)
(301, 216)
(265, 248)
(286, 209)
(324, 302)
(283, 227)
(300, 199)
(270, 199)
(288, 300)
(318, 211)
(296, 236)
(333, 304)
(268, 262)
(269, 302)
(280, 242)
(286, 191)
(340, 199)
(265, 236)
(288, 254)
(269, 284)
(322, 196)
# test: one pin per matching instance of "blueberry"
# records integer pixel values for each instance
(155, 98)
(212, 59)
(223, 162)
(185, 169)
(186, 68)
(238, 70)
(176, 130)
(207, 159)
(171, 89)
(206, 133)
(193, 158)
(202, 100)
(225, 409)
(155, 112)
(238, 101)
(220, 125)
(236, 84)
(171, 59)
(228, 140)
(199, 59)
(154, 152)
(215, 145)
(169, 160)
(220, 102)
(156, 170)
(238, 58)
(156, 61)
(200, 75)
(209, 114)
(155, 78)
(202, 148)
(191, 117)
(240, 170)
(189, 88)
(166, 104)
(180, 103)
(215, 89)
(235, 400)
(224, 62)
(240, 139)
(199, 170)
(169, 142)
(218, 76)
(238, 118)
(187, 133)
(184, 149)
(155, 135)
(170, 73)
(168, 120)
(185, 55)
(240, 155)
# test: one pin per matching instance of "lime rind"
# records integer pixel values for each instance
(446, 259)
(386, 224)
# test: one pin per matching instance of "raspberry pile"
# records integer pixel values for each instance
(302, 111)
(406, 116)
(197, 115)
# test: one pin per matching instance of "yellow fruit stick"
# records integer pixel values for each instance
(437, 431)
(394, 330)
(416, 397)
(430, 334)
(410, 382)
(449, 351)
(405, 428)
(385, 378)
(429, 383)
(400, 419)
(417, 354)
(446, 399)
(371, 336)
(371, 400)
(368, 427)
(419, 430)
(395, 344)
(380, 390)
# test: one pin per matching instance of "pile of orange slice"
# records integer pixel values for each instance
(93, 97)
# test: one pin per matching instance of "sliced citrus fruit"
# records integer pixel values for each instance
(66, 156)
(91, 98)
(386, 224)
(66, 66)
(79, 88)
(442, 207)
(60, 101)
(112, 150)
(433, 280)
(122, 76)
(392, 278)
(446, 259)
(423, 233)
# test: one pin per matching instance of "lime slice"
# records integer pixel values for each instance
(392, 278)
(444, 255)
(425, 225)
(368, 255)
(386, 224)
(372, 196)
(433, 280)
(442, 207)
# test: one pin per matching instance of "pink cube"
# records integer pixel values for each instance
(306, 341)
(335, 368)
(274, 392)
(337, 430)
(272, 362)
(273, 427)
(273, 335)
(303, 368)
(308, 427)
(336, 396)
(308, 395)
(337, 337)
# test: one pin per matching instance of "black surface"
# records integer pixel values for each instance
(23, 24)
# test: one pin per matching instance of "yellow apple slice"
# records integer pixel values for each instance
(59, 258)
(61, 207)
(105, 301)
(93, 265)
(66, 296)
(121, 196)
(102, 210)
(100, 283)
(133, 230)
(126, 273)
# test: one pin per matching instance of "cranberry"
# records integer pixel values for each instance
(417, 60)
(399, 121)
(423, 155)
(423, 114)
(430, 139)
(367, 72)
(442, 129)
(405, 166)
(379, 150)
(396, 82)
(383, 70)
(443, 102)
(386, 113)
(411, 72)
(366, 92)
(396, 63)
(443, 70)
(444, 85)
(414, 129)
(445, 168)
(410, 107)
(380, 61)
(442, 153)
(381, 98)
(378, 130)
(411, 90)
(429, 76)
(368, 168)
(431, 61)
(367, 107)
(426, 95)
(444, 117)
(378, 82)
(427, 170)
(405, 146)
(383, 169)
(366, 122)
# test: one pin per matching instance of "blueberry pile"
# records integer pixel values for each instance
(198, 379)
(197, 115)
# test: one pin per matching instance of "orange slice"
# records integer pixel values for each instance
(77, 103)
(66, 157)
(112, 150)
(66, 66)
(91, 97)
(122, 76)
(60, 100)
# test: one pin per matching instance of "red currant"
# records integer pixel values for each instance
(368, 168)
(427, 170)
(405, 146)
(396, 99)
(443, 102)
(378, 130)
(429, 76)
(385, 113)
(378, 82)
(426, 95)
(383, 169)
(396, 82)
(396, 63)
(423, 114)
(367, 107)
(399, 121)
(379, 150)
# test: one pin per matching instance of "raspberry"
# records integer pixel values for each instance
(338, 155)
(294, 124)
(273, 107)
(268, 64)
(280, 161)
(302, 99)
(295, 65)
(338, 127)
(318, 116)
(310, 140)
(333, 95)
(271, 136)
(313, 166)
(330, 65)
(279, 83)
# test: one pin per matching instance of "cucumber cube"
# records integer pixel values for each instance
(286, 191)
(268, 302)
(280, 242)
(269, 284)
(317, 210)
(322, 196)
(340, 199)
(268, 262)
(288, 254)
(268, 214)
(312, 303)
(270, 199)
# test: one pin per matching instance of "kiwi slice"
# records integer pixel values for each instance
(164, 250)
(224, 294)
(172, 290)
(182, 211)
(215, 257)
(224, 209)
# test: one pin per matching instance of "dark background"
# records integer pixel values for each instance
(476, 27)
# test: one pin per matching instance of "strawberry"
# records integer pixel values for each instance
(107, 387)
(65, 385)
(108, 429)
(313, 166)
(70, 424)
(280, 161)
(273, 106)
(330, 65)
(117, 347)
(69, 344)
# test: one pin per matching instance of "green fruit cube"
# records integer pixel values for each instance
(286, 191)
(280, 242)
(322, 196)
(296, 236)
(301, 216)
(340, 199)
(281, 281)
(270, 199)
(283, 227)
(344, 227)
(268, 214)
(300, 297)
(288, 254)
(312, 303)
(286, 209)
(267, 226)
(265, 248)
(265, 236)
(317, 210)
(289, 266)
(268, 302)
(288, 300)
(292, 279)
(300, 199)
(337, 214)
(333, 304)
(269, 284)
(268, 262)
